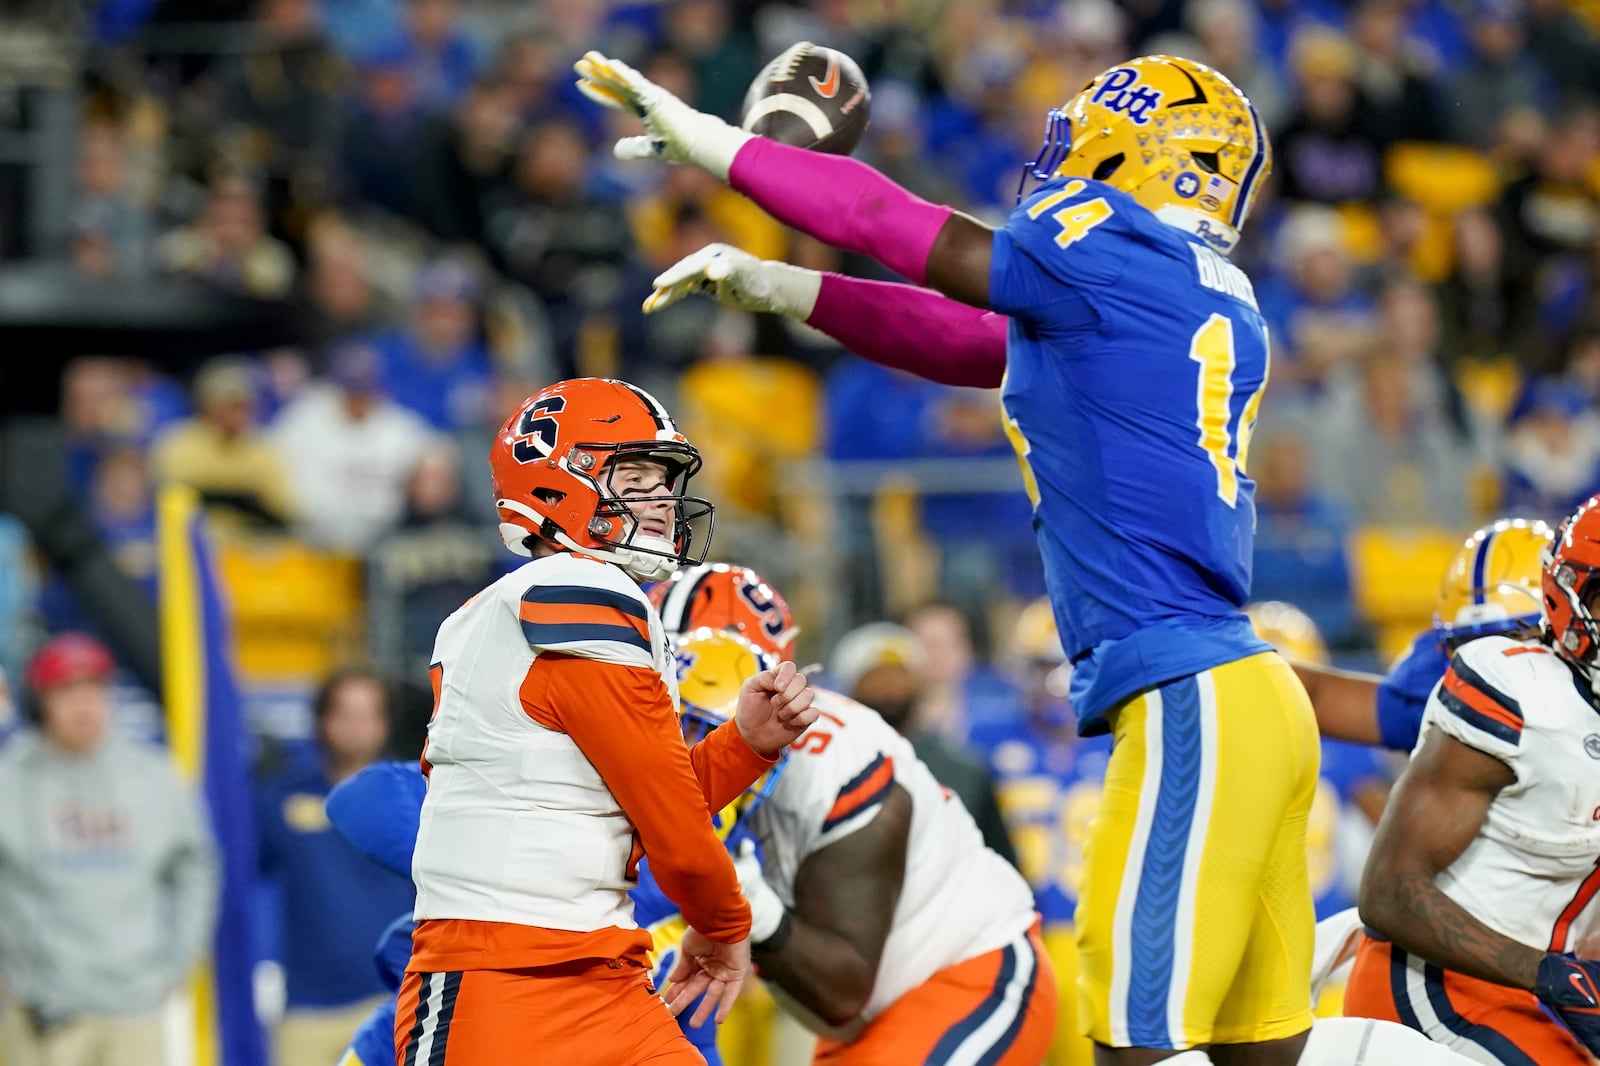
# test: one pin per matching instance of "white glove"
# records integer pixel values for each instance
(737, 279)
(766, 909)
(677, 132)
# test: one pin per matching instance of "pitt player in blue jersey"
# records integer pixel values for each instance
(1134, 359)
(1492, 587)
(378, 810)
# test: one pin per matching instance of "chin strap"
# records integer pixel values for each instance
(655, 562)
(640, 565)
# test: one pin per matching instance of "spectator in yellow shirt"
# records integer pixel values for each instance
(221, 452)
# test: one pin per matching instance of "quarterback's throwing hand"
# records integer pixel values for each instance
(775, 708)
(704, 965)
(675, 131)
(737, 279)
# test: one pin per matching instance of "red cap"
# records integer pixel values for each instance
(69, 657)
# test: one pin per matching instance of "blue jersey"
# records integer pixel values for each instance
(378, 811)
(373, 1042)
(1403, 693)
(336, 899)
(1135, 366)
(1049, 789)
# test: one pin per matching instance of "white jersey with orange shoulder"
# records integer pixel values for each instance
(1518, 702)
(518, 826)
(958, 900)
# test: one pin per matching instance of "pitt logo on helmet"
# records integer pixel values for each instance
(1119, 91)
(1146, 126)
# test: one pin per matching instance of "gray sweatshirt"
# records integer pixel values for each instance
(108, 878)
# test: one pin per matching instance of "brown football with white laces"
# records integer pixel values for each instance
(811, 97)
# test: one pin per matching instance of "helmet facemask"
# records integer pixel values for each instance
(1568, 587)
(1052, 153)
(616, 525)
(613, 529)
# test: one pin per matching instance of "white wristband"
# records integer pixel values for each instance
(766, 912)
(793, 290)
(716, 144)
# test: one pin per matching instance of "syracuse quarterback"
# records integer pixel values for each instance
(1478, 892)
(555, 761)
(378, 809)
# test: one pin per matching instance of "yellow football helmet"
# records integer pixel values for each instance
(1288, 629)
(1493, 584)
(712, 665)
(1174, 134)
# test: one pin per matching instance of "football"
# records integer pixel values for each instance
(810, 97)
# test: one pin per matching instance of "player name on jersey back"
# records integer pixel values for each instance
(1217, 274)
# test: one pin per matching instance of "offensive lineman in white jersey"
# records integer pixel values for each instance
(1478, 893)
(556, 761)
(875, 905)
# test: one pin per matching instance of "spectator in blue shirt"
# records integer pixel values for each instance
(1552, 450)
(436, 364)
(385, 117)
(444, 59)
(336, 902)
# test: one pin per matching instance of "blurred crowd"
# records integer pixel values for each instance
(419, 181)
(418, 184)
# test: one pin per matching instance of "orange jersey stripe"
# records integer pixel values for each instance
(582, 614)
(1480, 701)
(863, 792)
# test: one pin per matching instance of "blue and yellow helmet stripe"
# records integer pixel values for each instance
(1493, 583)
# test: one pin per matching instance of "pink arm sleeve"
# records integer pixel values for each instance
(915, 330)
(841, 202)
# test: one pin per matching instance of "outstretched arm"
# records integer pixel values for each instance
(899, 326)
(912, 329)
(849, 205)
(1438, 807)
(838, 200)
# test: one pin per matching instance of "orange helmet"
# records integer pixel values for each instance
(724, 597)
(1571, 567)
(552, 466)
